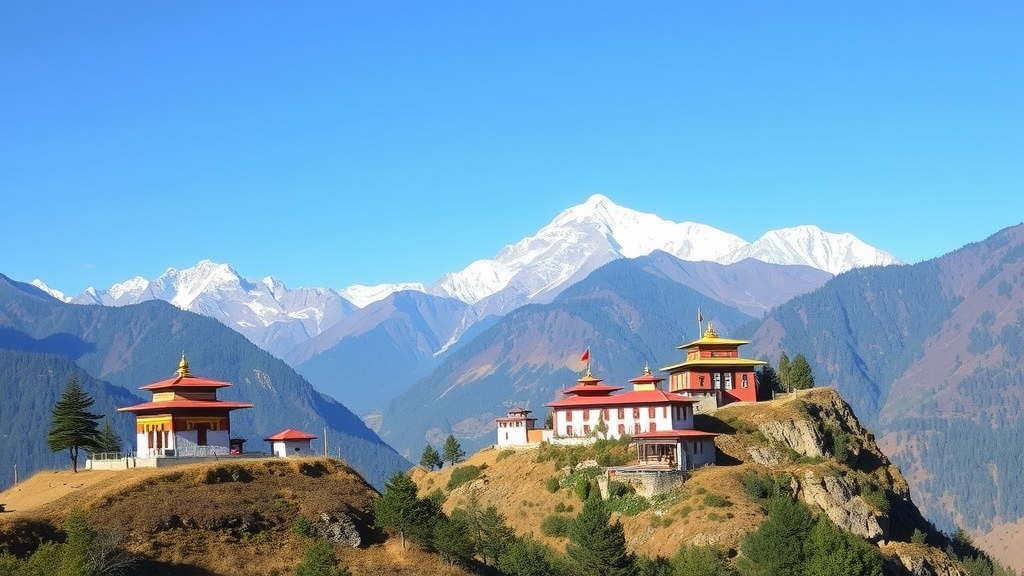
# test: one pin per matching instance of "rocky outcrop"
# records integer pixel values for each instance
(921, 561)
(802, 436)
(840, 499)
(338, 529)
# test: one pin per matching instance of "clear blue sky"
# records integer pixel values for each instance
(343, 142)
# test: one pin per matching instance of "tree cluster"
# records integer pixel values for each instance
(85, 551)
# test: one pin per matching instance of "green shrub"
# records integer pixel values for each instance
(551, 484)
(555, 526)
(757, 486)
(618, 489)
(876, 497)
(716, 501)
(582, 488)
(918, 537)
(504, 454)
(563, 507)
(629, 505)
(302, 527)
(461, 475)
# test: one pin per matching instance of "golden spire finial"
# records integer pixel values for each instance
(183, 365)
(710, 332)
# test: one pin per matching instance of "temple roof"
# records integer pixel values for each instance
(711, 339)
(590, 385)
(184, 382)
(735, 362)
(185, 404)
(290, 434)
(184, 379)
(648, 397)
(647, 377)
(663, 434)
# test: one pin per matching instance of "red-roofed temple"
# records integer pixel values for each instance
(714, 368)
(185, 418)
(660, 423)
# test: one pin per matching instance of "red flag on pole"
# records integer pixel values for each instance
(586, 355)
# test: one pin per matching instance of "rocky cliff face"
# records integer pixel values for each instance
(834, 465)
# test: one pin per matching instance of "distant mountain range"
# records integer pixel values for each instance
(928, 355)
(115, 350)
(320, 331)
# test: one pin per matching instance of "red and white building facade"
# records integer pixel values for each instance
(291, 443)
(715, 371)
(185, 418)
(660, 423)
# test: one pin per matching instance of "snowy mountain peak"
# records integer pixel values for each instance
(55, 293)
(811, 246)
(535, 269)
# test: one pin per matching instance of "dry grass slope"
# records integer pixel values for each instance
(227, 518)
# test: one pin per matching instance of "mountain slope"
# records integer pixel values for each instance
(628, 313)
(135, 345)
(791, 441)
(371, 356)
(931, 355)
(532, 270)
(266, 312)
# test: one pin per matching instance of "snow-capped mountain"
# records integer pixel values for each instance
(55, 293)
(266, 312)
(811, 246)
(586, 237)
(534, 269)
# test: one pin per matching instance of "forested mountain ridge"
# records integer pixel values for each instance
(136, 345)
(629, 313)
(930, 356)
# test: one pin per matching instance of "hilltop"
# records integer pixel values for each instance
(812, 442)
(218, 518)
(244, 516)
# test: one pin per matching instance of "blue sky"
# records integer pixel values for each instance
(344, 142)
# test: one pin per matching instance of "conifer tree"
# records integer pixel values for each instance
(597, 547)
(495, 534)
(779, 545)
(783, 371)
(526, 557)
(73, 426)
(430, 459)
(108, 440)
(453, 452)
(320, 560)
(800, 376)
(399, 510)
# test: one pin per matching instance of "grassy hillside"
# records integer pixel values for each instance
(807, 442)
(224, 519)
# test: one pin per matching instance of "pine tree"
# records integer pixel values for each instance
(73, 426)
(779, 545)
(320, 560)
(108, 441)
(399, 510)
(783, 372)
(767, 382)
(451, 538)
(597, 547)
(495, 535)
(800, 376)
(74, 553)
(526, 557)
(453, 450)
(430, 459)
